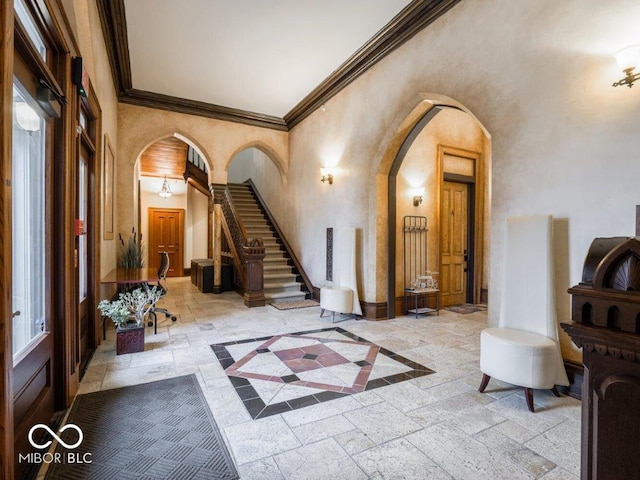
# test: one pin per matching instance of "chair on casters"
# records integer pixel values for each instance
(162, 276)
(523, 350)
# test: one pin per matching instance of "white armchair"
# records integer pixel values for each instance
(524, 350)
(342, 297)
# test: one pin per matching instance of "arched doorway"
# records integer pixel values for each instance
(439, 175)
(173, 203)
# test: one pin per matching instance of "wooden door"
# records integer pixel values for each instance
(166, 234)
(454, 223)
(30, 264)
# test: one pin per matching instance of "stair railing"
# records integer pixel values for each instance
(292, 255)
(248, 253)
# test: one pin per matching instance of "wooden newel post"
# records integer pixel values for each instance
(606, 324)
(254, 253)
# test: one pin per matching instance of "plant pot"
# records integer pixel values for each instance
(129, 340)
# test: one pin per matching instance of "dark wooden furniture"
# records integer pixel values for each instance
(606, 324)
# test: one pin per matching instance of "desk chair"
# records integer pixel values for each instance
(162, 285)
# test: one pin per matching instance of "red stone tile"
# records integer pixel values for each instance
(330, 359)
(302, 365)
(289, 354)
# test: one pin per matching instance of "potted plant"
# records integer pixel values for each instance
(131, 252)
(127, 313)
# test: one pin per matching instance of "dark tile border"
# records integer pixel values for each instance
(258, 409)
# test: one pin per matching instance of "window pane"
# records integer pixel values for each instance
(28, 222)
(82, 240)
(30, 26)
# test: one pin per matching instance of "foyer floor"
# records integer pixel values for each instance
(428, 426)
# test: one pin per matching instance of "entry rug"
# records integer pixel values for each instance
(465, 308)
(153, 431)
(281, 373)
(292, 305)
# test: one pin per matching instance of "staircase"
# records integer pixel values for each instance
(282, 282)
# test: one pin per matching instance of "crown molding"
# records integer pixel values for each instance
(413, 18)
(202, 109)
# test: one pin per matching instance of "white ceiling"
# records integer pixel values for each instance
(262, 56)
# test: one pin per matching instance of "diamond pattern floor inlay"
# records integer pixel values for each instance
(285, 372)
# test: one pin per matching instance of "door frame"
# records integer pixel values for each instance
(475, 214)
(181, 214)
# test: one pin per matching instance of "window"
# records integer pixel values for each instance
(30, 27)
(28, 222)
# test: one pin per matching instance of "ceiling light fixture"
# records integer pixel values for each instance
(628, 59)
(165, 191)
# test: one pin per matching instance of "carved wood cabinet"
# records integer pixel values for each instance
(606, 324)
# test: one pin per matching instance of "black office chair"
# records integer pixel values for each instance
(162, 285)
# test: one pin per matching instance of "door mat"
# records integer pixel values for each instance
(156, 430)
(298, 304)
(281, 373)
(466, 308)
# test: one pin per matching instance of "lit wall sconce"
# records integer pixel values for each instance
(165, 191)
(327, 175)
(26, 117)
(417, 196)
(628, 59)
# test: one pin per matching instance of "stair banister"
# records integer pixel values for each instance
(293, 256)
(249, 251)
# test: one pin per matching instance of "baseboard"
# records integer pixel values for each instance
(575, 373)
(374, 310)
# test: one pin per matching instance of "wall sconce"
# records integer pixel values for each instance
(417, 196)
(327, 175)
(26, 117)
(165, 191)
(628, 59)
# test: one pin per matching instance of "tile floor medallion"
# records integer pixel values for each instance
(280, 373)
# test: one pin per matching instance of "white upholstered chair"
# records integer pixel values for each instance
(342, 297)
(524, 350)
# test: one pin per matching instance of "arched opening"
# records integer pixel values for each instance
(172, 198)
(261, 167)
(439, 175)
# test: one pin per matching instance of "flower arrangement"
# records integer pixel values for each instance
(129, 310)
(131, 252)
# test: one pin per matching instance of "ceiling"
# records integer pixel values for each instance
(268, 63)
(255, 55)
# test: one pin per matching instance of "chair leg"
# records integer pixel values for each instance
(555, 391)
(528, 393)
(321, 312)
(484, 383)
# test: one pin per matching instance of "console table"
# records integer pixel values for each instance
(417, 292)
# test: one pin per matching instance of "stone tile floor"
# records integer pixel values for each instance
(435, 426)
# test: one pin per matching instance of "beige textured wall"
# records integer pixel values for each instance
(85, 23)
(537, 74)
(216, 141)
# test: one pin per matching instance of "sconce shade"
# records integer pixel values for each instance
(628, 57)
(165, 191)
(27, 117)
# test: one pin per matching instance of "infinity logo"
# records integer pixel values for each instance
(53, 434)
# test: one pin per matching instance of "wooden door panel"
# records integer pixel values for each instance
(453, 231)
(166, 231)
